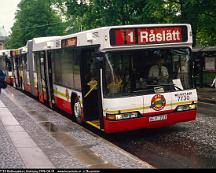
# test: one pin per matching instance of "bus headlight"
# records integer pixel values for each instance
(122, 116)
(186, 107)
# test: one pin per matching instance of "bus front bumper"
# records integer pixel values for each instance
(144, 122)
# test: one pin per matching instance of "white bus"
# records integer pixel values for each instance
(103, 78)
(119, 78)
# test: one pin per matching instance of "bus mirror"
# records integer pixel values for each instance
(99, 56)
(99, 60)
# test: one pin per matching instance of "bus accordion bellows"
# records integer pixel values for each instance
(116, 78)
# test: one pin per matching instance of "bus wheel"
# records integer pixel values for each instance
(77, 111)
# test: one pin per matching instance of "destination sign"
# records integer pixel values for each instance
(69, 42)
(148, 35)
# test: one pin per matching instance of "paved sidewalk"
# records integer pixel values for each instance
(26, 149)
(60, 142)
(207, 95)
(9, 157)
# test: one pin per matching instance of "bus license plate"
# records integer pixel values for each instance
(158, 118)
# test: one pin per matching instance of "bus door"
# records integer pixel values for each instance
(90, 77)
(49, 79)
(16, 71)
(42, 80)
(45, 79)
(19, 71)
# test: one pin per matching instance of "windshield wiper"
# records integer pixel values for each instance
(173, 85)
(141, 90)
(153, 86)
(177, 87)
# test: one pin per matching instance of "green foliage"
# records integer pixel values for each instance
(34, 18)
(87, 14)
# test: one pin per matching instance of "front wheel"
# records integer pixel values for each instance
(78, 112)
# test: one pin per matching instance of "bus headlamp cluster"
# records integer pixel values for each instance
(186, 107)
(122, 116)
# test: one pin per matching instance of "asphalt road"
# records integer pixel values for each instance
(184, 145)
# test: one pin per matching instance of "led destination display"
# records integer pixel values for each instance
(148, 35)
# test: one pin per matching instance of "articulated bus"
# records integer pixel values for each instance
(31, 82)
(19, 65)
(107, 77)
(13, 64)
(43, 76)
(6, 65)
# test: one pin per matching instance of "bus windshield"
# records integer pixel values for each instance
(135, 72)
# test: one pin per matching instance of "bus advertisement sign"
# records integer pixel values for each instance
(148, 35)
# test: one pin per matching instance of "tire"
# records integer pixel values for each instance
(77, 110)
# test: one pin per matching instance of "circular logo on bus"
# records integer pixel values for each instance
(158, 102)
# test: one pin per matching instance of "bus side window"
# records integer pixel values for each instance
(76, 70)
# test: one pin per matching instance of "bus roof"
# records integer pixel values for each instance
(102, 36)
(45, 43)
(5, 52)
(22, 50)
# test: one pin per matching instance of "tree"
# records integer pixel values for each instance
(34, 18)
(200, 14)
(87, 14)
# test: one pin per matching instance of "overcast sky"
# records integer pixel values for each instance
(7, 13)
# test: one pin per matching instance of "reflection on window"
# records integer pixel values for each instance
(57, 66)
(76, 71)
(67, 68)
(144, 71)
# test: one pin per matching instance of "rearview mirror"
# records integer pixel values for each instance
(99, 56)
(99, 60)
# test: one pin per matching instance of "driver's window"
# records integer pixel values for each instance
(117, 74)
(181, 67)
(90, 66)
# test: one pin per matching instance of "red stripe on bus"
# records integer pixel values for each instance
(63, 105)
(41, 98)
(45, 96)
(27, 88)
(138, 123)
(9, 80)
(36, 92)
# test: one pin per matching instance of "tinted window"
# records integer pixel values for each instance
(66, 65)
(146, 71)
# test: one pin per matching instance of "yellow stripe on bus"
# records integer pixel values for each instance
(124, 110)
(142, 108)
(60, 93)
(94, 125)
